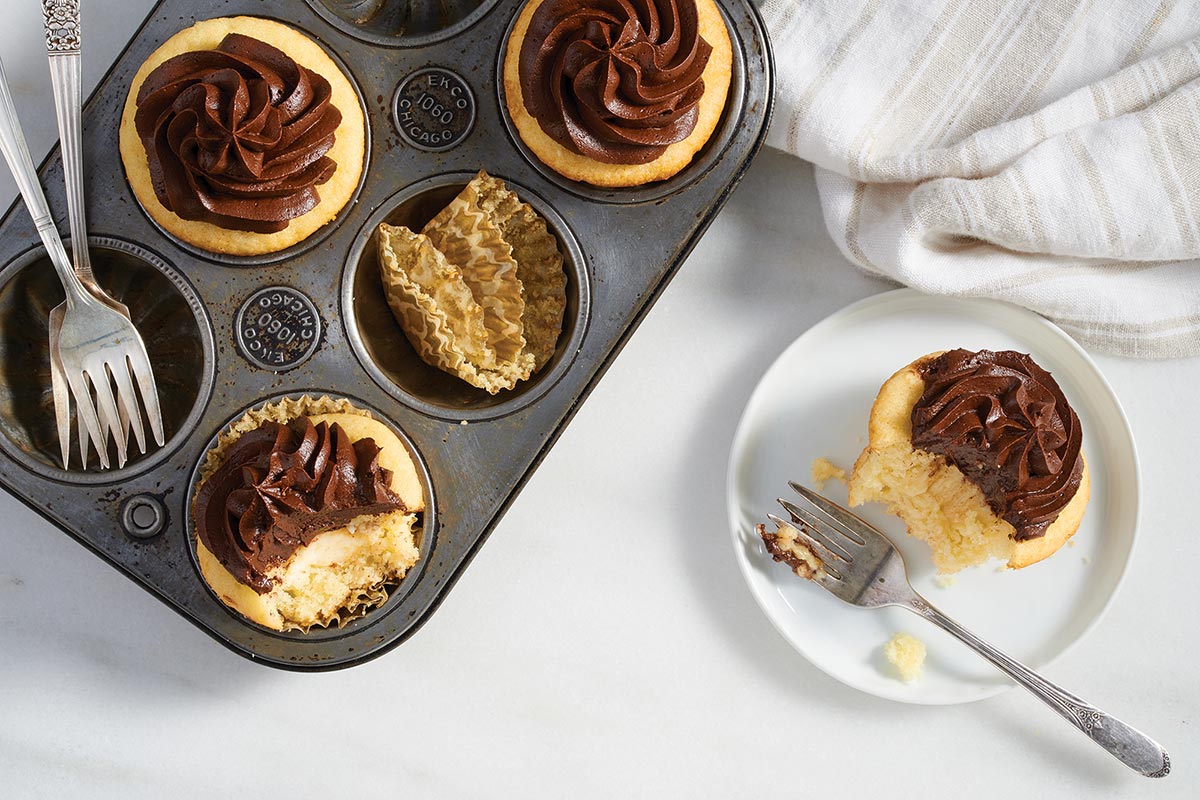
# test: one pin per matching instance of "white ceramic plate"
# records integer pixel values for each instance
(814, 401)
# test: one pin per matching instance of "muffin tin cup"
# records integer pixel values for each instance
(176, 331)
(426, 539)
(388, 356)
(315, 315)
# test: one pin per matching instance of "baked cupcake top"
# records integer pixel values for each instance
(1005, 424)
(237, 136)
(279, 487)
(617, 81)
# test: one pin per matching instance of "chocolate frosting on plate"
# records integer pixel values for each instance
(615, 80)
(282, 485)
(1005, 423)
(237, 136)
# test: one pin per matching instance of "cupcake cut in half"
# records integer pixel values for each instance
(306, 512)
(980, 454)
(241, 136)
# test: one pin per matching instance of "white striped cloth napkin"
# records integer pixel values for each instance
(1044, 152)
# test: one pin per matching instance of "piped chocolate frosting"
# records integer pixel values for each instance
(615, 80)
(237, 136)
(279, 486)
(1005, 423)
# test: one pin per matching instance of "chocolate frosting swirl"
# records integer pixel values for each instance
(237, 136)
(1005, 423)
(282, 485)
(615, 80)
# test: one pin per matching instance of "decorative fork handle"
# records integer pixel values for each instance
(62, 46)
(1132, 747)
(16, 153)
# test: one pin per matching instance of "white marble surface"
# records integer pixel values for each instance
(602, 644)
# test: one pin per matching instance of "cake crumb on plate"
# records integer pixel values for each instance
(907, 654)
(823, 469)
(944, 581)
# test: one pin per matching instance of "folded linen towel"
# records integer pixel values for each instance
(1044, 152)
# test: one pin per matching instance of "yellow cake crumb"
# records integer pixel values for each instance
(823, 470)
(785, 546)
(944, 581)
(907, 654)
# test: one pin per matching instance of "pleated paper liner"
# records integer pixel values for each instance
(470, 240)
(425, 288)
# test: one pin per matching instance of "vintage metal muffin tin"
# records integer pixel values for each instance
(227, 334)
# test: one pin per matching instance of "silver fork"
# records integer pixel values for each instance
(63, 42)
(95, 343)
(861, 566)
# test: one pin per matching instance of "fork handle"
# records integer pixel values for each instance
(62, 46)
(1129, 745)
(16, 153)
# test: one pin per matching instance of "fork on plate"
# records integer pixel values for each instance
(861, 566)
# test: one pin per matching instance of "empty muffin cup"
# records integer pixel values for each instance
(402, 23)
(165, 310)
(386, 352)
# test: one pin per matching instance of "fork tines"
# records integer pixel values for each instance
(832, 532)
(823, 553)
(816, 529)
(847, 523)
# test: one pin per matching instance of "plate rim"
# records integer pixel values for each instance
(895, 296)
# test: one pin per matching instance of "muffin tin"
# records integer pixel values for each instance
(227, 334)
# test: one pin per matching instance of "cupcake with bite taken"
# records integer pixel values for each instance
(981, 454)
(306, 512)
